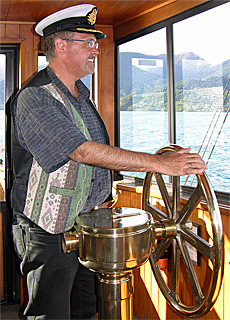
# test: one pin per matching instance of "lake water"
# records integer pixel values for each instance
(147, 131)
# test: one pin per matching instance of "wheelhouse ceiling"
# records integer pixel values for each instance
(110, 12)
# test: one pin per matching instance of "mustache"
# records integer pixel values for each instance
(92, 56)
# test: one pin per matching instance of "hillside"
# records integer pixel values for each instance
(198, 84)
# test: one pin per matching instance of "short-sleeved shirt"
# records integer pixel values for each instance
(44, 127)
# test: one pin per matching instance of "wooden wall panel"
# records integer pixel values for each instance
(128, 196)
(26, 32)
(105, 98)
(2, 30)
(149, 302)
(12, 31)
(22, 34)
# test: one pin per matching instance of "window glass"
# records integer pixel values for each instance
(143, 94)
(202, 71)
(42, 63)
(2, 123)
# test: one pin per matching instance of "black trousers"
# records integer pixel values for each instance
(59, 287)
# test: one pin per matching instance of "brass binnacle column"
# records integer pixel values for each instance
(115, 296)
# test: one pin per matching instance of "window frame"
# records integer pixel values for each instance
(11, 279)
(11, 87)
(168, 24)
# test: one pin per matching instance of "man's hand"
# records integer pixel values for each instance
(181, 163)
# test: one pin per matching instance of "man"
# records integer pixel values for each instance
(62, 162)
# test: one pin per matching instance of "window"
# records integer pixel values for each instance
(202, 70)
(8, 84)
(201, 100)
(2, 120)
(42, 63)
(143, 93)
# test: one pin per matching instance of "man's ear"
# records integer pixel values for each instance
(60, 45)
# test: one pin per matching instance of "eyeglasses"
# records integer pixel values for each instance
(91, 43)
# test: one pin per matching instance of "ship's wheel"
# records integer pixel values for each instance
(195, 295)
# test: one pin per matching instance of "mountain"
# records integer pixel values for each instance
(143, 76)
(188, 65)
(137, 78)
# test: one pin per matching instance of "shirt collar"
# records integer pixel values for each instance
(82, 89)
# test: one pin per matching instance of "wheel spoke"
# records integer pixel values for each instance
(162, 247)
(197, 242)
(175, 256)
(156, 213)
(190, 205)
(190, 272)
(176, 197)
(164, 193)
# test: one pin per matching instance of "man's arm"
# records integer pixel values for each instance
(173, 164)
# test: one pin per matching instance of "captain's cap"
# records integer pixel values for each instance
(80, 18)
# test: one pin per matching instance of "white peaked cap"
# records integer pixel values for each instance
(80, 18)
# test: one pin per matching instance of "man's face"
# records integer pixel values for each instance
(80, 57)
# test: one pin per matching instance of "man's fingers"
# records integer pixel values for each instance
(192, 160)
(186, 150)
(196, 162)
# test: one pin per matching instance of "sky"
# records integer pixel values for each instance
(197, 34)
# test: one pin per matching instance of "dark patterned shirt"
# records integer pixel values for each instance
(44, 127)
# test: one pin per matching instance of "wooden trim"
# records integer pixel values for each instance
(22, 57)
(35, 22)
(17, 22)
(11, 40)
(131, 188)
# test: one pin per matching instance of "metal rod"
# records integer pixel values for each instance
(219, 130)
(213, 147)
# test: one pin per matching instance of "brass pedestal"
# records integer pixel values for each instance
(113, 242)
(115, 296)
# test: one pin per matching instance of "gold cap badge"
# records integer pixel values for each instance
(91, 17)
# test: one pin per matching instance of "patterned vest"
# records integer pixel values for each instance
(54, 200)
(51, 200)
